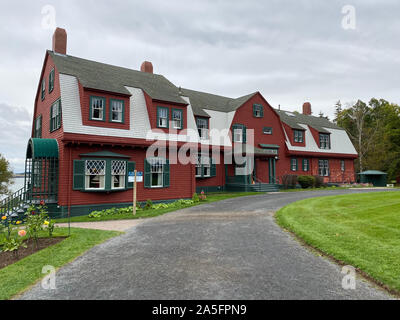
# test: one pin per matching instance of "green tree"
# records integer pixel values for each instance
(5, 176)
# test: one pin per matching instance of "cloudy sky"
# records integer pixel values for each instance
(290, 51)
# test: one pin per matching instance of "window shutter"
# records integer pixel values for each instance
(244, 134)
(130, 168)
(213, 168)
(166, 173)
(79, 175)
(51, 118)
(40, 129)
(147, 174)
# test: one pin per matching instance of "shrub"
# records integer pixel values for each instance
(148, 205)
(289, 181)
(35, 220)
(319, 181)
(195, 197)
(306, 181)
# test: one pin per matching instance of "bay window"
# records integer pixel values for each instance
(95, 171)
(118, 173)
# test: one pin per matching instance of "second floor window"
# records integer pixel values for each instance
(97, 108)
(116, 110)
(202, 127)
(267, 130)
(324, 141)
(55, 116)
(298, 136)
(38, 127)
(239, 133)
(43, 88)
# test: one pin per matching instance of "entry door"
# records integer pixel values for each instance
(272, 170)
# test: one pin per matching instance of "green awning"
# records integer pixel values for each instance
(42, 148)
(372, 173)
(269, 146)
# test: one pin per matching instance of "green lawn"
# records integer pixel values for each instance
(362, 230)
(20, 275)
(212, 197)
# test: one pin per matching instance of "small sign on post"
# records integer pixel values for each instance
(134, 192)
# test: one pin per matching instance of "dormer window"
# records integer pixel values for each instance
(258, 111)
(202, 127)
(162, 117)
(298, 136)
(97, 108)
(177, 119)
(116, 110)
(324, 141)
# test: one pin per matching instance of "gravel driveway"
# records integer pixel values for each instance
(230, 249)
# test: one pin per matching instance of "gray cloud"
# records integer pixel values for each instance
(290, 51)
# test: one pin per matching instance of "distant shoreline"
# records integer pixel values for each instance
(19, 176)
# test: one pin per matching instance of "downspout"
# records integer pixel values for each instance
(69, 191)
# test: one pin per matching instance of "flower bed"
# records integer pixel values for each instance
(7, 258)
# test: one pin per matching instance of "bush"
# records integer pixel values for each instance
(289, 181)
(319, 181)
(306, 181)
(148, 205)
(195, 198)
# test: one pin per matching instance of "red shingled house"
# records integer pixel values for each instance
(94, 122)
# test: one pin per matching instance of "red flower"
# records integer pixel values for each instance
(33, 213)
(42, 202)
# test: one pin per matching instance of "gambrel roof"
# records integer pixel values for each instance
(106, 77)
(203, 100)
(295, 119)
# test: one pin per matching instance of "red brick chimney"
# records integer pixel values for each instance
(146, 66)
(307, 108)
(60, 41)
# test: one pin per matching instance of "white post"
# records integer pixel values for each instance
(134, 194)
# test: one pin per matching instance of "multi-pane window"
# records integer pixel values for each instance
(342, 165)
(97, 108)
(198, 167)
(51, 81)
(162, 117)
(177, 119)
(43, 88)
(55, 116)
(323, 166)
(306, 165)
(324, 141)
(95, 172)
(298, 136)
(293, 164)
(118, 172)
(238, 135)
(37, 173)
(267, 130)
(202, 127)
(206, 166)
(38, 127)
(156, 172)
(258, 111)
(116, 110)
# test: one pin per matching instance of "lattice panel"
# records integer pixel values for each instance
(118, 167)
(95, 167)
